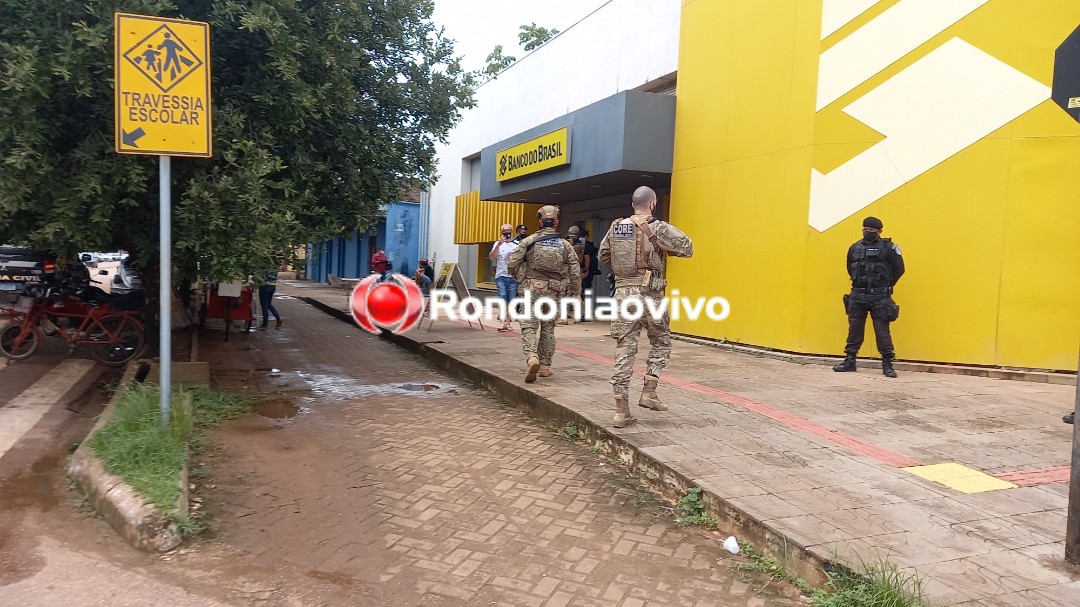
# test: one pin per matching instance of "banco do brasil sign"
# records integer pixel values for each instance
(539, 154)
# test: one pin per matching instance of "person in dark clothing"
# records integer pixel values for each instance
(590, 267)
(425, 276)
(875, 265)
(593, 262)
(266, 300)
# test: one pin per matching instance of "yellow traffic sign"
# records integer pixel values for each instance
(162, 69)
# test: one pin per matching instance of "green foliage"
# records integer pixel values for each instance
(881, 584)
(188, 525)
(643, 500)
(322, 112)
(213, 407)
(135, 446)
(597, 447)
(690, 510)
(496, 62)
(570, 431)
(759, 563)
(532, 36)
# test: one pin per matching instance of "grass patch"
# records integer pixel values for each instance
(757, 562)
(881, 584)
(570, 431)
(690, 510)
(135, 446)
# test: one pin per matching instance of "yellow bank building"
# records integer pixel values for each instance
(771, 128)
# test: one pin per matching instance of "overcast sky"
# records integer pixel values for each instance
(478, 25)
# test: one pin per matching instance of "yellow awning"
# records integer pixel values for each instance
(478, 220)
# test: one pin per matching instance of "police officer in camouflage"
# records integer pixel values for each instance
(545, 266)
(636, 248)
(875, 266)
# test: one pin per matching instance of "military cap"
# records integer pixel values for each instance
(872, 222)
(574, 230)
(548, 212)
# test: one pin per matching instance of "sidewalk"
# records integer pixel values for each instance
(962, 479)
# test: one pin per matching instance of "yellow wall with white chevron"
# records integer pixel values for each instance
(798, 118)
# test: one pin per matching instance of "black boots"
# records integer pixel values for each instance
(1068, 419)
(847, 365)
(886, 368)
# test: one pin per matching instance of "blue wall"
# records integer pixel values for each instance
(403, 237)
(350, 257)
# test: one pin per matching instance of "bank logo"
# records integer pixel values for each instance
(541, 153)
(941, 104)
(396, 304)
(163, 58)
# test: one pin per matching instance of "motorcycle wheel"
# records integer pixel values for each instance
(129, 340)
(30, 344)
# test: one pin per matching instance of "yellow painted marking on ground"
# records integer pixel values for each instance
(960, 477)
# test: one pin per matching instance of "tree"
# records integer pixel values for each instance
(322, 112)
(496, 62)
(532, 36)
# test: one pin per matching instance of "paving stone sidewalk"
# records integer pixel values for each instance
(961, 479)
(366, 467)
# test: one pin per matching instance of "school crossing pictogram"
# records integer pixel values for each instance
(164, 58)
(162, 86)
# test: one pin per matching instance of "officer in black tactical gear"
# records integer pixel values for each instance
(875, 265)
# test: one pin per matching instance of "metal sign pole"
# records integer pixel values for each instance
(1072, 524)
(141, 75)
(165, 286)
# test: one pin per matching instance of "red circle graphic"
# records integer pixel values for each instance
(386, 304)
(395, 304)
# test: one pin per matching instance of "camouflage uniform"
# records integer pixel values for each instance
(637, 249)
(545, 265)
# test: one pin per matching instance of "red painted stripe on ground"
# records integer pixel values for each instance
(882, 455)
(1037, 476)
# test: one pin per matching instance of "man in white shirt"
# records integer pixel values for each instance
(500, 252)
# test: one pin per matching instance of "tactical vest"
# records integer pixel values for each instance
(579, 248)
(869, 270)
(629, 254)
(545, 254)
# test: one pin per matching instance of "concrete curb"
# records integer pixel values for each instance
(143, 525)
(807, 562)
(1041, 377)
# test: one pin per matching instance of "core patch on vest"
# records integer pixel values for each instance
(623, 230)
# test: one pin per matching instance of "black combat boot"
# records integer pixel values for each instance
(847, 365)
(1068, 419)
(886, 368)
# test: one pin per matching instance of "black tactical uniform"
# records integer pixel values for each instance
(875, 265)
